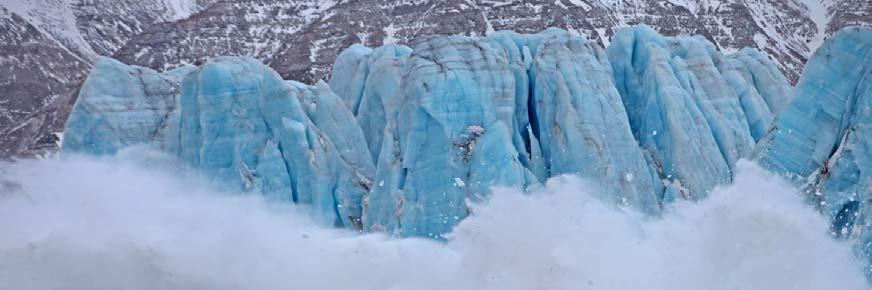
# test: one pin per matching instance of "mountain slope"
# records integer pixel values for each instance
(47, 50)
(308, 45)
(300, 39)
(38, 72)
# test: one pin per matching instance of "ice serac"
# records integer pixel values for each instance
(410, 136)
(739, 74)
(460, 114)
(349, 74)
(327, 112)
(691, 108)
(240, 124)
(581, 123)
(448, 141)
(378, 73)
(763, 77)
(123, 106)
(519, 61)
(557, 107)
(823, 138)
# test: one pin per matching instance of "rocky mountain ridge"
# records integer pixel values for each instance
(49, 45)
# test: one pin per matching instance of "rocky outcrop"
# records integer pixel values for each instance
(301, 39)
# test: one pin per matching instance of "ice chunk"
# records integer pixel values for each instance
(450, 85)
(237, 122)
(706, 108)
(581, 122)
(508, 109)
(349, 74)
(822, 139)
(122, 105)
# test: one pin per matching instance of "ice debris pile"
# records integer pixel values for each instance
(822, 140)
(403, 137)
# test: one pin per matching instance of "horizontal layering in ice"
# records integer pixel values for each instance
(412, 134)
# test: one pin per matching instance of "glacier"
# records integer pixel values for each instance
(820, 140)
(236, 121)
(555, 102)
(401, 139)
(691, 107)
(121, 106)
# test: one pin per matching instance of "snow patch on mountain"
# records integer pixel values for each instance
(817, 12)
(53, 18)
(180, 9)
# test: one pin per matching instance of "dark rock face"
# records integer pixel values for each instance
(844, 13)
(109, 24)
(49, 45)
(38, 76)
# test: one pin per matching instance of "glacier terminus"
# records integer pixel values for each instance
(400, 139)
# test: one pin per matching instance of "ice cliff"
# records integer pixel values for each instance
(403, 138)
(239, 123)
(822, 140)
(692, 109)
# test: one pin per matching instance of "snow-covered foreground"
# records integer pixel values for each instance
(134, 222)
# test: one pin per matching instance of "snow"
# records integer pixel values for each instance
(180, 9)
(822, 138)
(137, 221)
(313, 12)
(459, 106)
(695, 6)
(55, 19)
(601, 32)
(581, 4)
(390, 34)
(489, 27)
(817, 11)
(476, 130)
(760, 40)
(240, 140)
(315, 48)
(664, 119)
